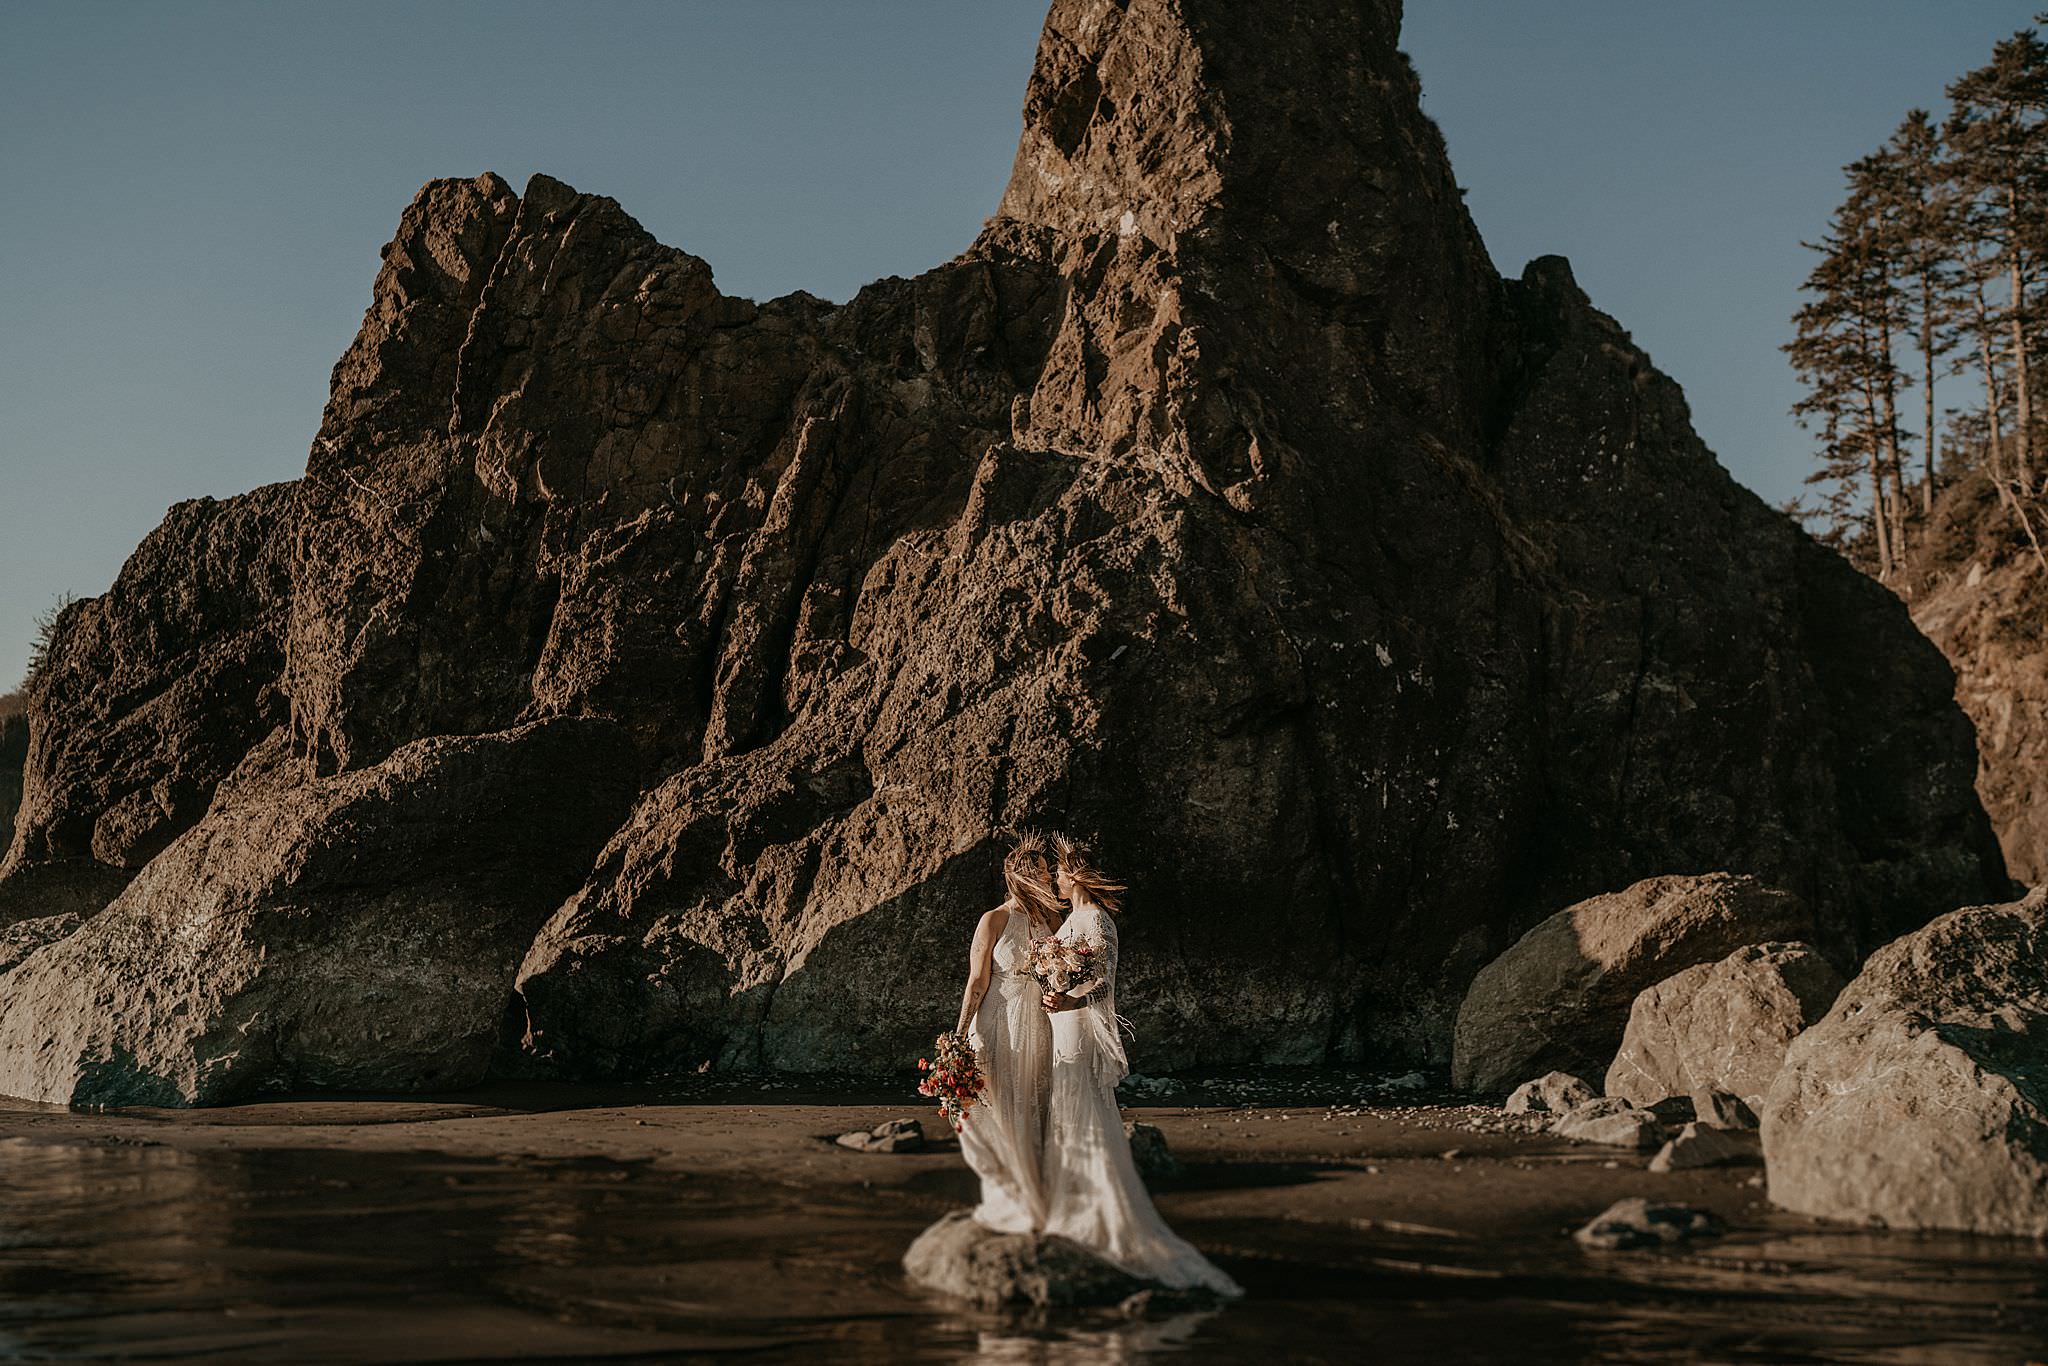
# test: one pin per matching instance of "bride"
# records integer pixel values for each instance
(1093, 1193)
(1003, 1135)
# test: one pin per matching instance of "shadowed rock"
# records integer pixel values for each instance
(1639, 1223)
(1722, 1026)
(1703, 1145)
(23, 937)
(1723, 1110)
(1921, 1099)
(1552, 1093)
(71, 886)
(890, 1136)
(1674, 1110)
(1154, 1159)
(1560, 997)
(1615, 1123)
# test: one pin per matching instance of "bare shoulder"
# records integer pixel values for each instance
(993, 921)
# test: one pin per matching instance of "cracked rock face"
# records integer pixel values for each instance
(1985, 604)
(1220, 500)
(1921, 1099)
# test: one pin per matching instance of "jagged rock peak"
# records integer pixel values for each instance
(1142, 114)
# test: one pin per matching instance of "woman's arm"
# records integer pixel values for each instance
(980, 957)
(1074, 997)
(1082, 993)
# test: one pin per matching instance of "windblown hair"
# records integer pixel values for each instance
(1077, 860)
(1027, 873)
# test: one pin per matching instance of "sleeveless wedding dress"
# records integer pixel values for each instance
(1093, 1192)
(1002, 1135)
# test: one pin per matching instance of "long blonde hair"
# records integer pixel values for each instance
(1077, 861)
(1027, 873)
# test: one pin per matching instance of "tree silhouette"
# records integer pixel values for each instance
(2000, 146)
(1935, 251)
(1924, 209)
(1842, 351)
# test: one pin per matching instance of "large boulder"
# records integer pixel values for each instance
(358, 931)
(1921, 1099)
(960, 1258)
(1722, 1026)
(1559, 999)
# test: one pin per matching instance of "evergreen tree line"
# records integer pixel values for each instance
(1931, 270)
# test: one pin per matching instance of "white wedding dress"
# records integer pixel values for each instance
(1093, 1192)
(1002, 1135)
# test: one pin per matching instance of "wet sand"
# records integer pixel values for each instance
(570, 1223)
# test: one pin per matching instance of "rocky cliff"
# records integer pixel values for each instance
(1220, 499)
(1981, 594)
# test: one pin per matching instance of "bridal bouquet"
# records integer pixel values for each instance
(955, 1079)
(1059, 963)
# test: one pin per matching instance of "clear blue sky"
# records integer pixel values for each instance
(192, 194)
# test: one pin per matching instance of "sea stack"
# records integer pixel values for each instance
(1220, 500)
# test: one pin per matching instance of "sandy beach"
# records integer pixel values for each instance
(543, 1222)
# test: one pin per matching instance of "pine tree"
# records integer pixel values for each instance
(1842, 352)
(1976, 333)
(1926, 211)
(1878, 206)
(1936, 249)
(48, 624)
(1999, 133)
(1824, 354)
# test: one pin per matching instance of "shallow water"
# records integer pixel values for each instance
(138, 1252)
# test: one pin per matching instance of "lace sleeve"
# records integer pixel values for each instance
(1101, 983)
(1104, 1025)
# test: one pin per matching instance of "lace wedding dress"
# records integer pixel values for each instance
(1093, 1192)
(1002, 1135)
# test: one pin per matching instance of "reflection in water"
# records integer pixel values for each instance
(124, 1252)
(1083, 1346)
(141, 1252)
